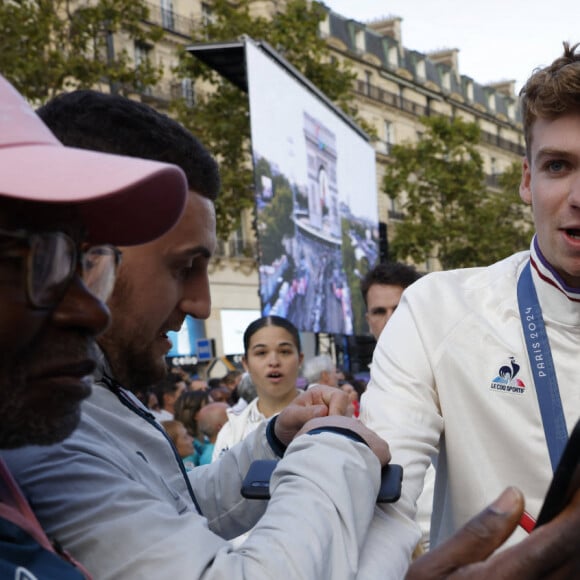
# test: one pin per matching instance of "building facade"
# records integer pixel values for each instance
(393, 89)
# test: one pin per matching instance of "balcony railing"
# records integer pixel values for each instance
(492, 180)
(237, 249)
(383, 147)
(170, 20)
(396, 215)
(384, 96)
(502, 143)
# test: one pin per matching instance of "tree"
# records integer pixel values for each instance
(449, 213)
(275, 221)
(220, 117)
(509, 220)
(354, 270)
(48, 46)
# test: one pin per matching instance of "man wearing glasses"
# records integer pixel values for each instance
(55, 274)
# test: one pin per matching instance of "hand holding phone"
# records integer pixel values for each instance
(565, 482)
(256, 484)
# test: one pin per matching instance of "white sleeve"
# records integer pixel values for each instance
(401, 405)
(218, 486)
(314, 528)
(317, 520)
(223, 441)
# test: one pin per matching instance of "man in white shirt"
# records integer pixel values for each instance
(459, 371)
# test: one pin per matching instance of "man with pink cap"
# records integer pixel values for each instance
(59, 212)
(114, 484)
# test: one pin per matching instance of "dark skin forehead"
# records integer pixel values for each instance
(33, 216)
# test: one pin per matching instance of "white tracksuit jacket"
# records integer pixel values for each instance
(431, 387)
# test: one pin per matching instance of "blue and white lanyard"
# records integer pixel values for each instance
(542, 366)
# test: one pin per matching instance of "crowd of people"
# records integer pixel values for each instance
(476, 369)
(204, 418)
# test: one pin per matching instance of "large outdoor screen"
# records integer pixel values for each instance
(316, 201)
(234, 323)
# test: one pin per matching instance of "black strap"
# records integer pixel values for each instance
(340, 431)
(118, 389)
(277, 446)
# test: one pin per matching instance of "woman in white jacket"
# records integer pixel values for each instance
(272, 357)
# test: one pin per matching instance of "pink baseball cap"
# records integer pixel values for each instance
(122, 200)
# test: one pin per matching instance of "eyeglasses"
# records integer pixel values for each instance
(52, 261)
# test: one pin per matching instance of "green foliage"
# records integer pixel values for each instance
(221, 118)
(354, 270)
(222, 124)
(275, 221)
(48, 46)
(449, 213)
(513, 220)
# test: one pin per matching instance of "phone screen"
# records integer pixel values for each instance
(566, 480)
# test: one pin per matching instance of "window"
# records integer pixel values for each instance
(187, 91)
(393, 56)
(142, 57)
(237, 243)
(360, 40)
(142, 52)
(446, 80)
(324, 27)
(167, 16)
(207, 16)
(387, 142)
(368, 77)
(420, 69)
(389, 137)
(469, 90)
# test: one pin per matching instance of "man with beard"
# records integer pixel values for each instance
(115, 494)
(55, 273)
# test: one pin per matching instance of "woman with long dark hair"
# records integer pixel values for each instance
(272, 357)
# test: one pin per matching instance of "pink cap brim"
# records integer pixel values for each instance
(123, 200)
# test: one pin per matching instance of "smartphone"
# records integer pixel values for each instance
(565, 482)
(256, 484)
